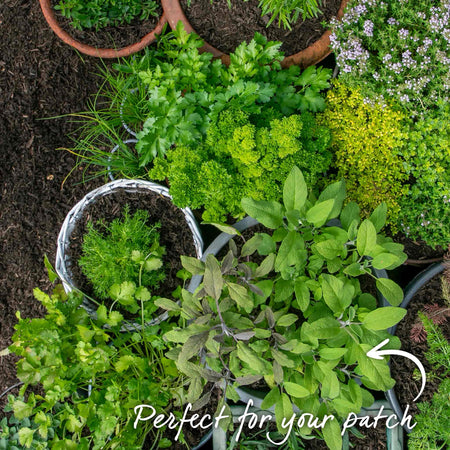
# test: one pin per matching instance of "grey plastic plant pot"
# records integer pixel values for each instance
(63, 263)
(411, 289)
(394, 436)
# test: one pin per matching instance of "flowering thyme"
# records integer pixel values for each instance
(392, 48)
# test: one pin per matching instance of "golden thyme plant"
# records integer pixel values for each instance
(367, 138)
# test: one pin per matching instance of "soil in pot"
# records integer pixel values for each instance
(226, 28)
(374, 439)
(402, 369)
(112, 36)
(175, 234)
(419, 256)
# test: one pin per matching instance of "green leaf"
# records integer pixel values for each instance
(153, 264)
(240, 295)
(266, 266)
(142, 294)
(193, 265)
(52, 275)
(269, 213)
(246, 354)
(224, 228)
(378, 217)
(319, 213)
(332, 434)
(384, 318)
(332, 290)
(295, 191)
(390, 290)
(354, 270)
(283, 290)
(337, 193)
(115, 318)
(291, 251)
(251, 245)
(329, 249)
(330, 385)
(376, 372)
(271, 398)
(124, 362)
(212, 280)
(384, 260)
(295, 390)
(302, 295)
(167, 304)
(193, 346)
(366, 239)
(283, 410)
(349, 214)
(332, 353)
(102, 313)
(287, 320)
(26, 436)
(282, 359)
(22, 409)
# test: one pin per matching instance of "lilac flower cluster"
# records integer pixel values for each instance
(412, 61)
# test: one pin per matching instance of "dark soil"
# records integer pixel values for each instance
(175, 234)
(109, 37)
(407, 387)
(39, 77)
(374, 439)
(226, 28)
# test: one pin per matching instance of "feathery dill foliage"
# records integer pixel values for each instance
(102, 13)
(433, 421)
(126, 250)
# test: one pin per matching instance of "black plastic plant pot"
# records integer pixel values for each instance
(410, 291)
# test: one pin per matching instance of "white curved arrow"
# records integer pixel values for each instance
(376, 353)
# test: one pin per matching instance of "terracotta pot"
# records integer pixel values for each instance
(50, 17)
(307, 57)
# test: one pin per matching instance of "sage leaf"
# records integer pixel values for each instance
(383, 318)
(193, 265)
(295, 190)
(319, 213)
(390, 290)
(269, 213)
(366, 239)
(295, 390)
(212, 280)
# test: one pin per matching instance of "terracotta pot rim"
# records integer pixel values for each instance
(52, 21)
(311, 55)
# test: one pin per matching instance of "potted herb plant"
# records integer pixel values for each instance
(167, 110)
(92, 376)
(124, 252)
(309, 53)
(96, 15)
(427, 302)
(296, 320)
